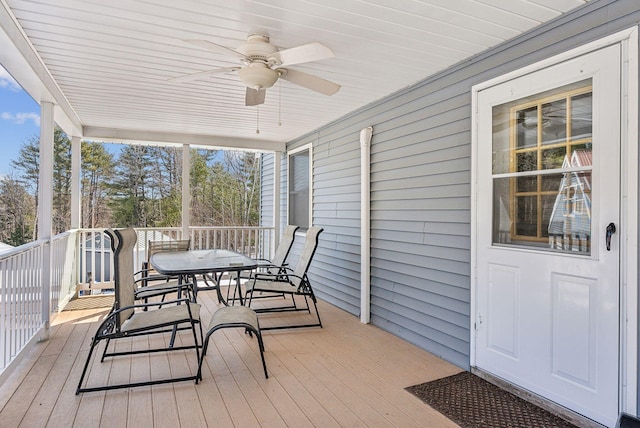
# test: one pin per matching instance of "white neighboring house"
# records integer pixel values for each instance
(5, 247)
(570, 224)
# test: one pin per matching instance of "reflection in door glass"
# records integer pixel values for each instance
(542, 162)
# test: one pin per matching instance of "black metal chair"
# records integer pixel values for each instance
(127, 319)
(290, 283)
(150, 283)
(277, 264)
(279, 261)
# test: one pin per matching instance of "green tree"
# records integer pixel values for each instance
(17, 210)
(129, 187)
(225, 193)
(28, 168)
(165, 188)
(61, 181)
(97, 171)
(236, 185)
(202, 198)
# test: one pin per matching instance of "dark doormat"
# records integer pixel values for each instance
(472, 402)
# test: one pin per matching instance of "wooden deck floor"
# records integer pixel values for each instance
(344, 375)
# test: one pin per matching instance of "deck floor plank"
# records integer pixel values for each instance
(343, 375)
(64, 346)
(118, 398)
(249, 384)
(67, 406)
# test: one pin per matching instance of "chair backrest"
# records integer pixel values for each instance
(309, 249)
(158, 246)
(124, 283)
(284, 247)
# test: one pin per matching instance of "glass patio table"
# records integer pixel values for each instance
(185, 264)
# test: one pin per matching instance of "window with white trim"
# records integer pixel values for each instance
(299, 185)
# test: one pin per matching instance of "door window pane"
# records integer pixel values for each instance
(542, 171)
(554, 121)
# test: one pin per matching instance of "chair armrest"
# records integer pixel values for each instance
(161, 289)
(270, 276)
(108, 325)
(145, 279)
(152, 304)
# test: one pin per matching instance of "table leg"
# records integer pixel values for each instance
(181, 279)
(238, 289)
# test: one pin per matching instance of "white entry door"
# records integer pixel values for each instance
(547, 271)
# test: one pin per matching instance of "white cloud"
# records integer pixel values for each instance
(7, 81)
(21, 118)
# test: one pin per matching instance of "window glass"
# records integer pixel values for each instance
(542, 162)
(299, 202)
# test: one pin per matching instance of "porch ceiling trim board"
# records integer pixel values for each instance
(111, 134)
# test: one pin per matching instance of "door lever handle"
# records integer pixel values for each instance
(611, 229)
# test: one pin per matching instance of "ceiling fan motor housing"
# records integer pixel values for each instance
(258, 48)
(258, 76)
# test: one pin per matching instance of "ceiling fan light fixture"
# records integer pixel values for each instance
(258, 76)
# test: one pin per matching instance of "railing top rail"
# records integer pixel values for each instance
(101, 229)
(23, 248)
(230, 227)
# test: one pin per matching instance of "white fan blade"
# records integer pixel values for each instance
(206, 44)
(301, 54)
(254, 97)
(309, 81)
(202, 74)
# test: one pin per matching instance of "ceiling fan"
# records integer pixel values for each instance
(263, 64)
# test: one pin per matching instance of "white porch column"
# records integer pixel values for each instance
(186, 190)
(76, 207)
(277, 183)
(365, 224)
(45, 206)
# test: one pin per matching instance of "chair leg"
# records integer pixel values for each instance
(205, 346)
(195, 343)
(94, 343)
(315, 305)
(294, 308)
(106, 347)
(261, 346)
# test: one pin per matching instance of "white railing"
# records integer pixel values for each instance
(252, 242)
(21, 304)
(96, 261)
(22, 290)
(64, 250)
(84, 256)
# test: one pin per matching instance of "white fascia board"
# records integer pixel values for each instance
(213, 141)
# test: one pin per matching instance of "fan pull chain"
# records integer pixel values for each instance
(257, 119)
(279, 103)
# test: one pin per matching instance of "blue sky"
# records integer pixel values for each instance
(19, 120)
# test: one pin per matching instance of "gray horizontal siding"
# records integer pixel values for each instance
(420, 189)
(336, 208)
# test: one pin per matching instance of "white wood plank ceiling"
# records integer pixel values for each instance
(112, 59)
